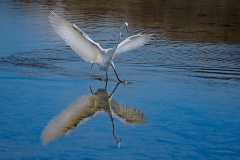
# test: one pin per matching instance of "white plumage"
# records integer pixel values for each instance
(91, 51)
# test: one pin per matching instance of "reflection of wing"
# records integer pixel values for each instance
(130, 115)
(68, 119)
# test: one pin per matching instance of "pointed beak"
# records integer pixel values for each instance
(126, 26)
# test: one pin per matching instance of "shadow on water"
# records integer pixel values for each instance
(86, 107)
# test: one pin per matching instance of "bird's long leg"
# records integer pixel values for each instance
(91, 67)
(117, 76)
(106, 85)
(106, 75)
(112, 65)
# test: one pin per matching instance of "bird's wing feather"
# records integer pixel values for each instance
(133, 42)
(86, 48)
(75, 114)
(127, 114)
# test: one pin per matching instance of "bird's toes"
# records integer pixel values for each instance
(125, 82)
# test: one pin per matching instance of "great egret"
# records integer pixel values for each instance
(91, 51)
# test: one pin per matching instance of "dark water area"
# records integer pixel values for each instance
(184, 96)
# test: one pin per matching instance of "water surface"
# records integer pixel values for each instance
(185, 81)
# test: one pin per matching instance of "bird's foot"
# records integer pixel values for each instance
(124, 82)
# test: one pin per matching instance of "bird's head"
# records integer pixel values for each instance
(126, 25)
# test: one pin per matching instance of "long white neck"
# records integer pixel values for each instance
(115, 47)
(110, 54)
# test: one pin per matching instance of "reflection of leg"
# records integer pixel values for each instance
(110, 95)
(118, 141)
(91, 67)
(91, 88)
(106, 85)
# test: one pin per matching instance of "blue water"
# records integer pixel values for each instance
(187, 88)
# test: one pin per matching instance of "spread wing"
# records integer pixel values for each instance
(133, 42)
(129, 115)
(86, 48)
(68, 119)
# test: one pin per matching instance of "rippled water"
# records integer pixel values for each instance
(185, 87)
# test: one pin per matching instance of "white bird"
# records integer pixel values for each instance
(88, 106)
(91, 51)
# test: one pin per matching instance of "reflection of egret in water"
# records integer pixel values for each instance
(88, 106)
